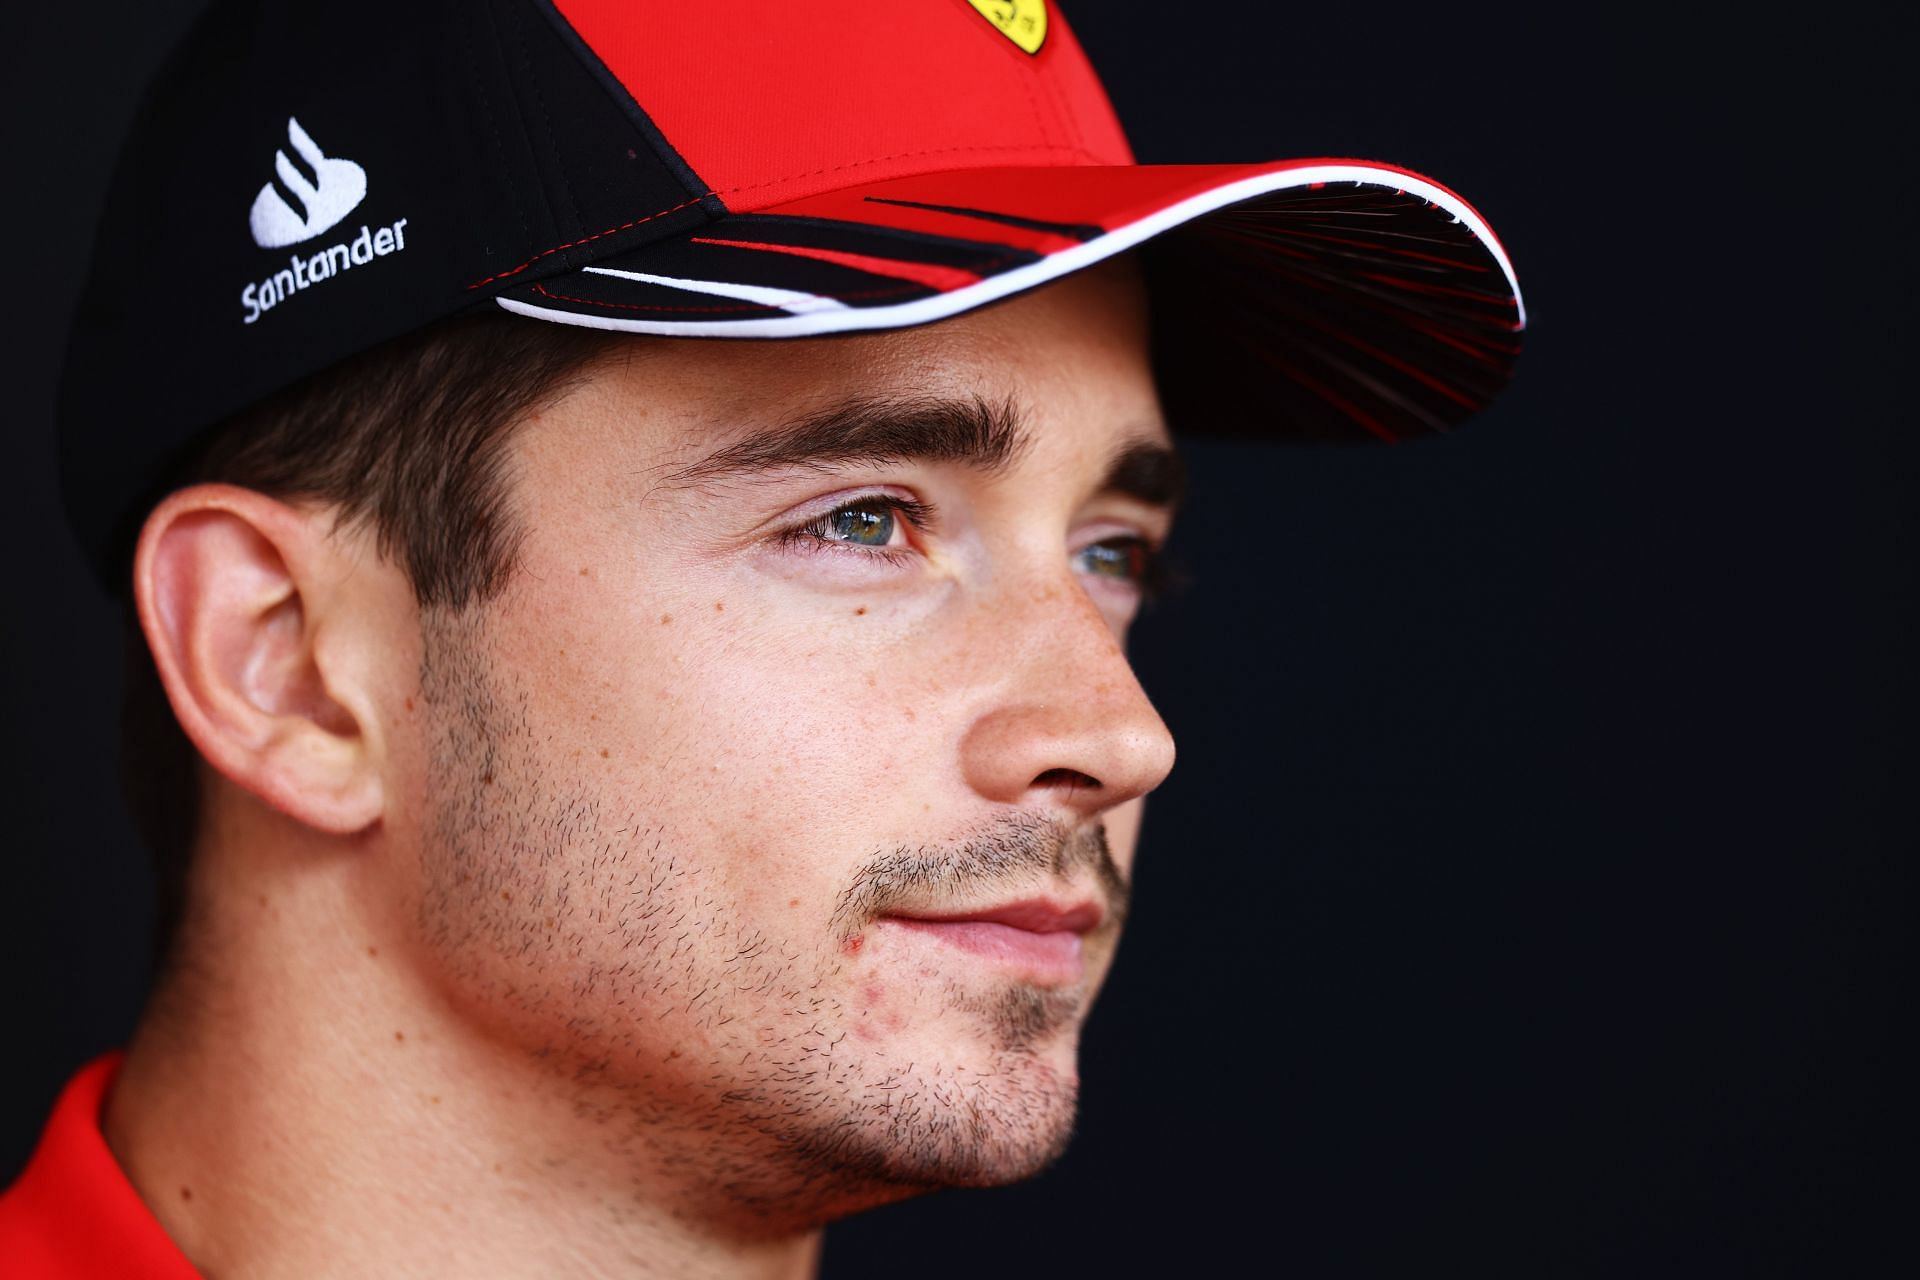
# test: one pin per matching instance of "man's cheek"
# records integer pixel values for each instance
(1123, 830)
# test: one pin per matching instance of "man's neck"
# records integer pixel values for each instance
(320, 1118)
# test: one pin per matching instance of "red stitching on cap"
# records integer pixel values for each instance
(599, 235)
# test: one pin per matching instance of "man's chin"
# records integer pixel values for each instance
(943, 1138)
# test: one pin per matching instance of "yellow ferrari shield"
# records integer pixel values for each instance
(1022, 21)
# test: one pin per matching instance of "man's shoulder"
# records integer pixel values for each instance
(72, 1213)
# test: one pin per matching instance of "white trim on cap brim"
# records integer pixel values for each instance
(939, 306)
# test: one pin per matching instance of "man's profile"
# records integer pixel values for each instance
(632, 525)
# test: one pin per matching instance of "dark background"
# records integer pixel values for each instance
(1533, 893)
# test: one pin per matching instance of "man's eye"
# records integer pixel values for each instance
(1123, 558)
(865, 524)
(1126, 560)
(1132, 562)
(870, 524)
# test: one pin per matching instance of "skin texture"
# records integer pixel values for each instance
(564, 935)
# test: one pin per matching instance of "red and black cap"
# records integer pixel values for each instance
(307, 180)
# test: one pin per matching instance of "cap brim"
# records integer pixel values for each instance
(1322, 299)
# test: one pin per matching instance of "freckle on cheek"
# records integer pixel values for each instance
(861, 612)
(666, 619)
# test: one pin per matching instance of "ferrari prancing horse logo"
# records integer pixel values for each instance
(1022, 21)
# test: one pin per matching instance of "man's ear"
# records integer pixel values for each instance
(234, 591)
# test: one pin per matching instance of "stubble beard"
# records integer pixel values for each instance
(575, 926)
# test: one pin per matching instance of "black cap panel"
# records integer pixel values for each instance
(305, 182)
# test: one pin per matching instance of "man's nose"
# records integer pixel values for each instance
(1068, 724)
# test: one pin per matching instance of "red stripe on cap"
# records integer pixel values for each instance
(945, 279)
(853, 206)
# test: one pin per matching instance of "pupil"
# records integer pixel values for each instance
(868, 526)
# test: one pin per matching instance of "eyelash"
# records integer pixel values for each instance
(1156, 576)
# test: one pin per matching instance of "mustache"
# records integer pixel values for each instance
(1014, 847)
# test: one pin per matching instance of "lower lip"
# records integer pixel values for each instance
(1051, 959)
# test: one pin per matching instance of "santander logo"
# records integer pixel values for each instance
(336, 190)
(318, 205)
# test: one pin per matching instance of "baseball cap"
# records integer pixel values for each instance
(307, 180)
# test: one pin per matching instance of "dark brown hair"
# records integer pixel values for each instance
(409, 438)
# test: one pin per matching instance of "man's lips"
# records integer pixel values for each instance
(1040, 939)
(1032, 915)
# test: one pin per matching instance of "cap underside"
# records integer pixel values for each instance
(1318, 299)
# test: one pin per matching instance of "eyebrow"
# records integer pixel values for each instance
(985, 436)
(976, 433)
(1149, 470)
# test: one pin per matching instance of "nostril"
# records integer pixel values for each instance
(1070, 778)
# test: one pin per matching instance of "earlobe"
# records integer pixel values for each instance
(225, 582)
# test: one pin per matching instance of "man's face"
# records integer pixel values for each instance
(785, 802)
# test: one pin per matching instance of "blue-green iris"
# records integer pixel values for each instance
(866, 526)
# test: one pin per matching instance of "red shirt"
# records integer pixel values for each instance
(73, 1215)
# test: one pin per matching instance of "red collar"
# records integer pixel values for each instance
(73, 1215)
